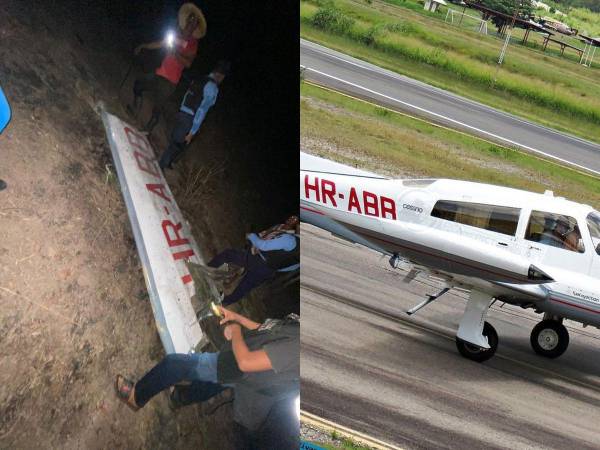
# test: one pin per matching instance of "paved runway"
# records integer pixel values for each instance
(368, 366)
(364, 80)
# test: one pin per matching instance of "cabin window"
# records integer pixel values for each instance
(593, 223)
(500, 219)
(556, 230)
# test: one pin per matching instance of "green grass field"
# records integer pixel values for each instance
(543, 87)
(365, 135)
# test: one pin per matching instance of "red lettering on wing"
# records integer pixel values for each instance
(353, 201)
(311, 187)
(328, 190)
(138, 141)
(371, 203)
(158, 189)
(388, 206)
(176, 239)
(183, 255)
(146, 164)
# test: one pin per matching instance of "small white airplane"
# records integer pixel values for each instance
(501, 244)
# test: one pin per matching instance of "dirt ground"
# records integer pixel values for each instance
(73, 305)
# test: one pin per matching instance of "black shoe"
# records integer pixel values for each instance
(175, 400)
(2, 185)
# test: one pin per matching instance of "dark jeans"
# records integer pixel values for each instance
(257, 272)
(197, 392)
(160, 89)
(183, 125)
(175, 368)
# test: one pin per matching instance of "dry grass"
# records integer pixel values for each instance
(195, 183)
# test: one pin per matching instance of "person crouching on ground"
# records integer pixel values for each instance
(266, 257)
(181, 54)
(199, 98)
(261, 362)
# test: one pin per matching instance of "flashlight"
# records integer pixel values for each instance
(170, 39)
(215, 309)
(214, 312)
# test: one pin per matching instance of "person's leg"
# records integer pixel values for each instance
(173, 369)
(140, 85)
(163, 89)
(230, 256)
(255, 275)
(183, 123)
(197, 392)
(168, 156)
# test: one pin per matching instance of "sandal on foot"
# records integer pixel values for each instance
(125, 391)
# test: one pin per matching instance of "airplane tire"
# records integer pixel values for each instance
(479, 354)
(549, 338)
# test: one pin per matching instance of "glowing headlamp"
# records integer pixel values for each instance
(170, 39)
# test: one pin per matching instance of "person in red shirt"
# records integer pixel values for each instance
(181, 52)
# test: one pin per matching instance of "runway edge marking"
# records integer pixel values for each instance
(582, 170)
(346, 432)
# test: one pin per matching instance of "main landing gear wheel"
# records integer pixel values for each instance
(549, 338)
(478, 354)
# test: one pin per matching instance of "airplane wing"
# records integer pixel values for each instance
(523, 293)
(316, 164)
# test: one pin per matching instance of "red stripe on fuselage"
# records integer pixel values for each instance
(312, 210)
(574, 305)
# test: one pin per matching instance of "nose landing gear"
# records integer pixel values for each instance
(476, 353)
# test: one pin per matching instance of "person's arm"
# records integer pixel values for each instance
(230, 316)
(209, 99)
(571, 241)
(247, 360)
(149, 46)
(268, 230)
(283, 242)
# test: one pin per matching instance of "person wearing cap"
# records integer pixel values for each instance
(558, 233)
(199, 98)
(181, 52)
(260, 361)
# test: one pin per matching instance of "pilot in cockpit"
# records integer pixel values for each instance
(558, 233)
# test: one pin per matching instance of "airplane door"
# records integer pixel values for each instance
(556, 241)
(595, 266)
(593, 226)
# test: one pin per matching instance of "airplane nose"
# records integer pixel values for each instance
(536, 274)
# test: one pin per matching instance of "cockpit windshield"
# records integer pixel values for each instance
(593, 223)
